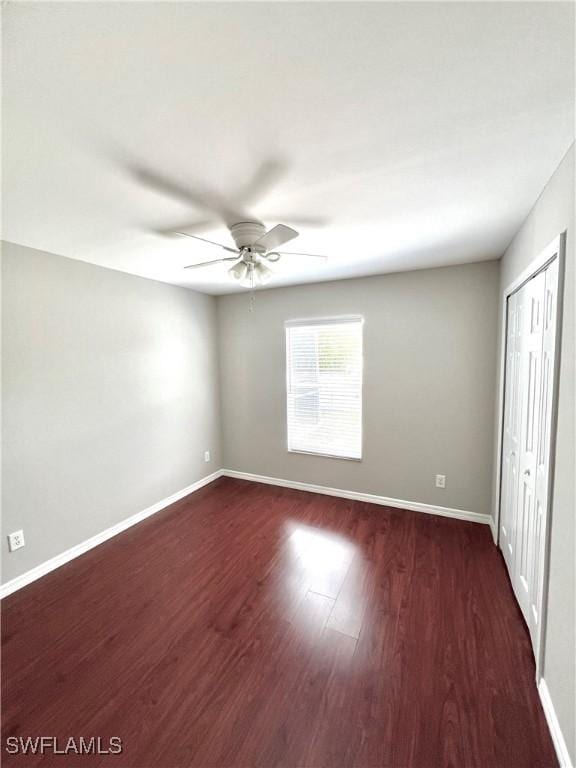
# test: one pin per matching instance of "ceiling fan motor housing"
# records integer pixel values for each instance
(245, 233)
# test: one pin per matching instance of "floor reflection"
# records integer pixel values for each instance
(320, 565)
(325, 558)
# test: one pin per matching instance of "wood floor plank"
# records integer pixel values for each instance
(249, 625)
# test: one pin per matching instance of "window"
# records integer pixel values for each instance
(324, 386)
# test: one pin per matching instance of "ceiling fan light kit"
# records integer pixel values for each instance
(253, 249)
(263, 273)
(238, 271)
(251, 274)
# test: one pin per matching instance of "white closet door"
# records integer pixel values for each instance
(530, 400)
(511, 437)
(543, 452)
(526, 440)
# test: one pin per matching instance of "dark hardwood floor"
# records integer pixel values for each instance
(249, 625)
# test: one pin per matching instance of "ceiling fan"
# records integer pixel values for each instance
(254, 248)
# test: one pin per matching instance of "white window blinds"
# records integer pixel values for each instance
(324, 386)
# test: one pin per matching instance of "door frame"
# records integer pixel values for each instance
(555, 250)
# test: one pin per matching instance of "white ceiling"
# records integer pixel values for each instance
(422, 133)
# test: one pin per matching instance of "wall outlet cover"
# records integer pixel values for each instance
(206, 456)
(440, 481)
(16, 540)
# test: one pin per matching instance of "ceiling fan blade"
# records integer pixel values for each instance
(312, 255)
(276, 236)
(206, 263)
(205, 199)
(167, 186)
(198, 225)
(265, 178)
(204, 240)
(297, 221)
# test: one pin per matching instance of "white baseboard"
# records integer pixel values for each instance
(80, 549)
(415, 506)
(84, 546)
(494, 530)
(554, 726)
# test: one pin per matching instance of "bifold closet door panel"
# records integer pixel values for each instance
(530, 401)
(530, 361)
(543, 452)
(511, 436)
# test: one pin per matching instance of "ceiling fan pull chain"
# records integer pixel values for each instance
(252, 299)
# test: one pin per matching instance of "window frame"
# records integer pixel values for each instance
(330, 320)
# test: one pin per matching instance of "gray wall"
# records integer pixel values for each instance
(552, 214)
(430, 366)
(110, 397)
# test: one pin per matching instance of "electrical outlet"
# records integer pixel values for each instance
(16, 540)
(440, 481)
(206, 456)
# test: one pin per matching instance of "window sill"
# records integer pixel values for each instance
(325, 455)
